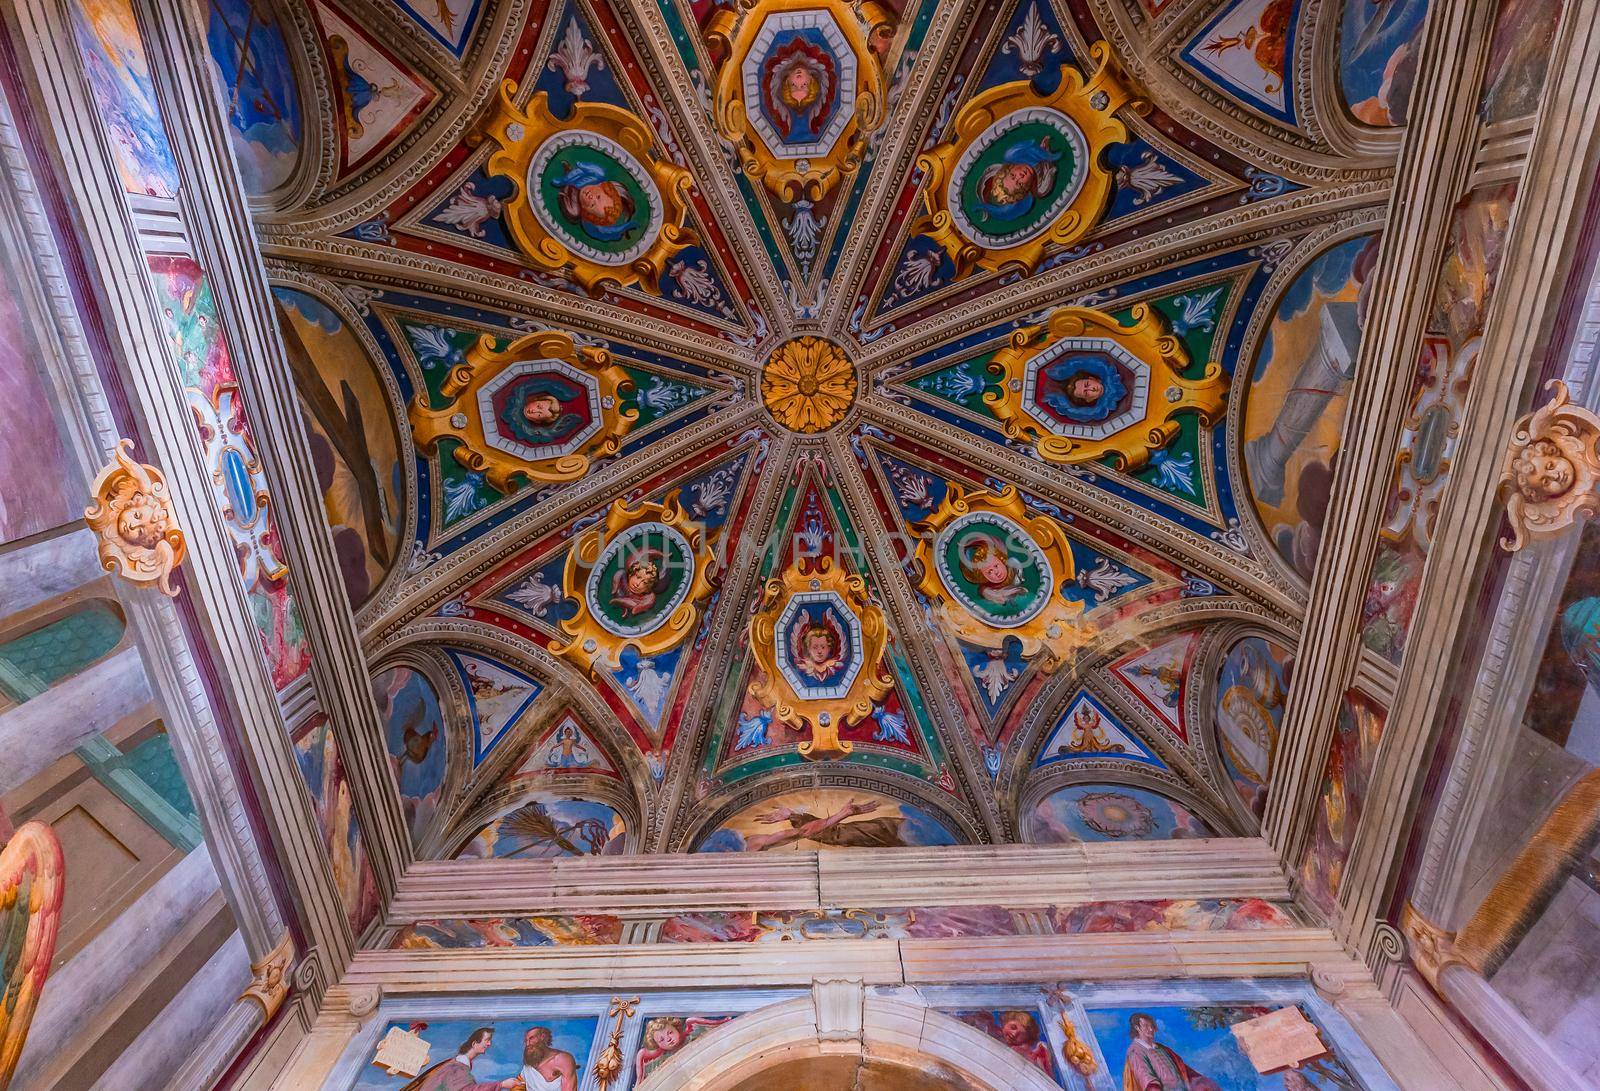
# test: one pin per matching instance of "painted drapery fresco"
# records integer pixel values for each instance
(1435, 419)
(820, 925)
(1298, 389)
(40, 487)
(1109, 812)
(354, 445)
(417, 739)
(1359, 729)
(257, 78)
(1519, 57)
(827, 818)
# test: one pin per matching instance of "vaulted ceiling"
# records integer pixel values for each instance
(735, 418)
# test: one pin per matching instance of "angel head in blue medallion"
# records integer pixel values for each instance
(819, 648)
(1082, 387)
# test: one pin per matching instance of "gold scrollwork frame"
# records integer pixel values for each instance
(822, 718)
(591, 645)
(459, 418)
(1147, 341)
(732, 34)
(520, 134)
(1090, 104)
(1056, 629)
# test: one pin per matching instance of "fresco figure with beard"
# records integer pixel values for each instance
(544, 1067)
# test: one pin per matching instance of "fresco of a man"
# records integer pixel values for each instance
(1151, 1066)
(455, 1073)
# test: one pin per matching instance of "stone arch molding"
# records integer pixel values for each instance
(840, 1018)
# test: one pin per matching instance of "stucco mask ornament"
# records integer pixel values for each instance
(1551, 479)
(1023, 175)
(1084, 387)
(590, 199)
(135, 528)
(542, 409)
(818, 640)
(800, 88)
(640, 580)
(993, 571)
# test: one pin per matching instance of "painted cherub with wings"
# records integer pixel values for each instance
(817, 645)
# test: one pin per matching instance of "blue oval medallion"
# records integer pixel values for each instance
(240, 487)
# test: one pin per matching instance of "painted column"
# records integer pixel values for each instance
(1435, 157)
(166, 358)
(223, 236)
(1555, 196)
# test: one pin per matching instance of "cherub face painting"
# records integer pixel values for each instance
(989, 567)
(141, 520)
(819, 651)
(637, 583)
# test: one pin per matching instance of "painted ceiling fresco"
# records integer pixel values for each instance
(806, 424)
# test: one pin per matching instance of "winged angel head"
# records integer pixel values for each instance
(817, 645)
